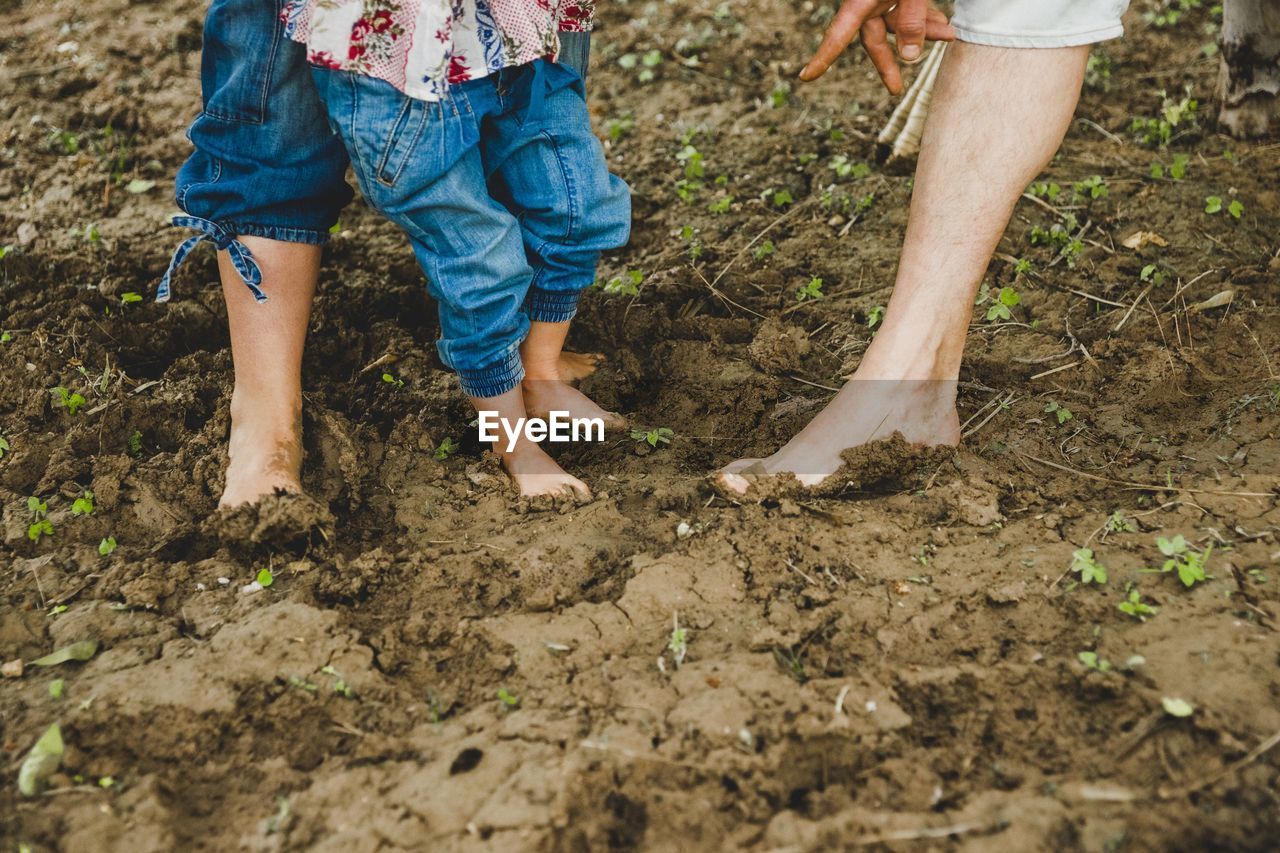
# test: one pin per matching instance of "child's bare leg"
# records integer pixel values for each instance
(546, 389)
(267, 339)
(528, 465)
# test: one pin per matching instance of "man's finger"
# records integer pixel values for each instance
(936, 25)
(909, 24)
(844, 26)
(875, 39)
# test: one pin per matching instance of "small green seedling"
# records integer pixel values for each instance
(130, 298)
(1004, 299)
(447, 448)
(302, 684)
(678, 642)
(782, 198)
(509, 700)
(392, 380)
(106, 546)
(5, 337)
(4, 446)
(135, 443)
(1047, 190)
(1183, 559)
(627, 284)
(1089, 569)
(55, 688)
(83, 505)
(780, 95)
(616, 128)
(875, 316)
(265, 578)
(40, 524)
(69, 400)
(721, 205)
(1092, 188)
(107, 782)
(58, 609)
(1062, 413)
(812, 290)
(1214, 204)
(764, 250)
(1093, 662)
(1135, 607)
(1153, 273)
(1118, 523)
(653, 437)
(846, 168)
(339, 685)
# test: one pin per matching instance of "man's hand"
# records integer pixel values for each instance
(912, 21)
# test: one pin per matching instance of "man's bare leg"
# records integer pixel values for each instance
(267, 339)
(998, 116)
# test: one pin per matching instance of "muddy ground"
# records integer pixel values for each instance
(897, 666)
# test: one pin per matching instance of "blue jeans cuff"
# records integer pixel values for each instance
(310, 236)
(495, 380)
(551, 306)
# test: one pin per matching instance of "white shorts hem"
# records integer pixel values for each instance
(1037, 40)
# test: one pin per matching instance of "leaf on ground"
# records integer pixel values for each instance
(139, 185)
(1218, 300)
(41, 762)
(82, 650)
(1138, 239)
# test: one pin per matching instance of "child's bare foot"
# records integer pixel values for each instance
(544, 396)
(535, 473)
(265, 455)
(576, 366)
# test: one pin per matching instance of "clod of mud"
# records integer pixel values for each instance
(779, 347)
(279, 522)
(879, 465)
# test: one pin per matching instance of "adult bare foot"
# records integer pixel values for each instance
(264, 456)
(544, 396)
(535, 473)
(576, 366)
(865, 410)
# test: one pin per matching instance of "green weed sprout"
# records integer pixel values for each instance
(69, 400)
(875, 316)
(447, 448)
(764, 250)
(1183, 559)
(83, 505)
(1062, 413)
(509, 700)
(4, 446)
(106, 546)
(627, 284)
(678, 642)
(812, 290)
(1093, 662)
(393, 381)
(1117, 523)
(653, 437)
(1135, 607)
(1089, 569)
(40, 525)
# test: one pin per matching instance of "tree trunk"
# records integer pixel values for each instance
(1249, 73)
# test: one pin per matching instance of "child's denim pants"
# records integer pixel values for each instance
(504, 192)
(265, 163)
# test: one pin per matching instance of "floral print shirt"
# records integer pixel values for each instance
(422, 46)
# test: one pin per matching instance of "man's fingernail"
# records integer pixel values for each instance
(804, 72)
(911, 52)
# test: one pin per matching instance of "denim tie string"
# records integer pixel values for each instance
(241, 258)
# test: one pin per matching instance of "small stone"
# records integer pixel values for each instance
(27, 234)
(251, 588)
(788, 508)
(13, 669)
